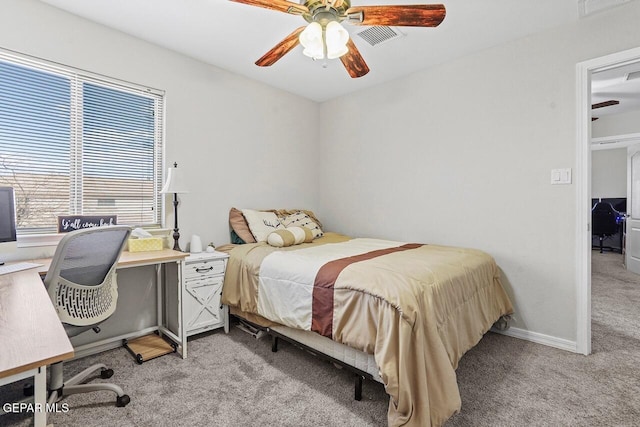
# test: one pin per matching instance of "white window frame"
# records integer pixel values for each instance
(77, 77)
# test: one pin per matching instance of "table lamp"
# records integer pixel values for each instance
(175, 185)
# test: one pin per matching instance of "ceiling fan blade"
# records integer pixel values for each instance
(605, 104)
(279, 5)
(281, 49)
(417, 15)
(353, 61)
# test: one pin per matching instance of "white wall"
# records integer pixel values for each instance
(229, 133)
(609, 173)
(616, 124)
(461, 155)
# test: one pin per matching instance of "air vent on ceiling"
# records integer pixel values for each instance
(377, 35)
(633, 75)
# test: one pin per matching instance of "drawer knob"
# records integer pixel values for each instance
(204, 270)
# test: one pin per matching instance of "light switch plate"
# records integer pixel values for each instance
(561, 176)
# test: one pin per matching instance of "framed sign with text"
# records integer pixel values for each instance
(67, 223)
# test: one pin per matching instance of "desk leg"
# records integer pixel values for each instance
(178, 336)
(160, 284)
(40, 397)
(181, 324)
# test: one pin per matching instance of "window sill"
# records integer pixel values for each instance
(41, 240)
(37, 240)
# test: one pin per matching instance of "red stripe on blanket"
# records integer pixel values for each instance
(322, 305)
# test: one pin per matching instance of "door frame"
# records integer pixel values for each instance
(584, 70)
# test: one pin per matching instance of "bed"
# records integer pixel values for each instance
(413, 309)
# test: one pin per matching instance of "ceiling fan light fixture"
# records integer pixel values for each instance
(336, 40)
(311, 40)
(324, 37)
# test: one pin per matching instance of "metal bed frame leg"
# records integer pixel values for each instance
(358, 388)
(360, 376)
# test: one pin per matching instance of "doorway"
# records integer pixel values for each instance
(585, 70)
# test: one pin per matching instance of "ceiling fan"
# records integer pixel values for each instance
(602, 105)
(324, 36)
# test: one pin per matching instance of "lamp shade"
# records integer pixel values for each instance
(175, 182)
(311, 40)
(336, 39)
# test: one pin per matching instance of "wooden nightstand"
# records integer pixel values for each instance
(203, 276)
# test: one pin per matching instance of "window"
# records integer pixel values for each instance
(72, 143)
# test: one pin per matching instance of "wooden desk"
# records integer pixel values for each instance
(31, 335)
(130, 259)
(139, 259)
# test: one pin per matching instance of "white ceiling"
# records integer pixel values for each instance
(233, 36)
(612, 84)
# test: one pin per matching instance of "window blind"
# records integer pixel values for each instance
(72, 143)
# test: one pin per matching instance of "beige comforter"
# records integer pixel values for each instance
(416, 308)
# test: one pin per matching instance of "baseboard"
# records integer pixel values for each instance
(539, 338)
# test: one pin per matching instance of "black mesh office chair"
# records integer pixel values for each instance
(621, 206)
(604, 222)
(81, 283)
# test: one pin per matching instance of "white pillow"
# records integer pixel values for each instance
(301, 219)
(289, 236)
(261, 223)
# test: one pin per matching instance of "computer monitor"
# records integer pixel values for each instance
(7, 220)
(7, 215)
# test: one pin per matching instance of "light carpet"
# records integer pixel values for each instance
(235, 380)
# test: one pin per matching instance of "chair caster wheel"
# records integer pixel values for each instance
(28, 390)
(139, 359)
(106, 373)
(123, 401)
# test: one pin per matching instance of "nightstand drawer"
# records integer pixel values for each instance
(206, 268)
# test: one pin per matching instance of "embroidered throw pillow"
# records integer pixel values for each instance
(301, 219)
(261, 223)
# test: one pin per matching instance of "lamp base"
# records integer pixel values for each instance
(176, 237)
